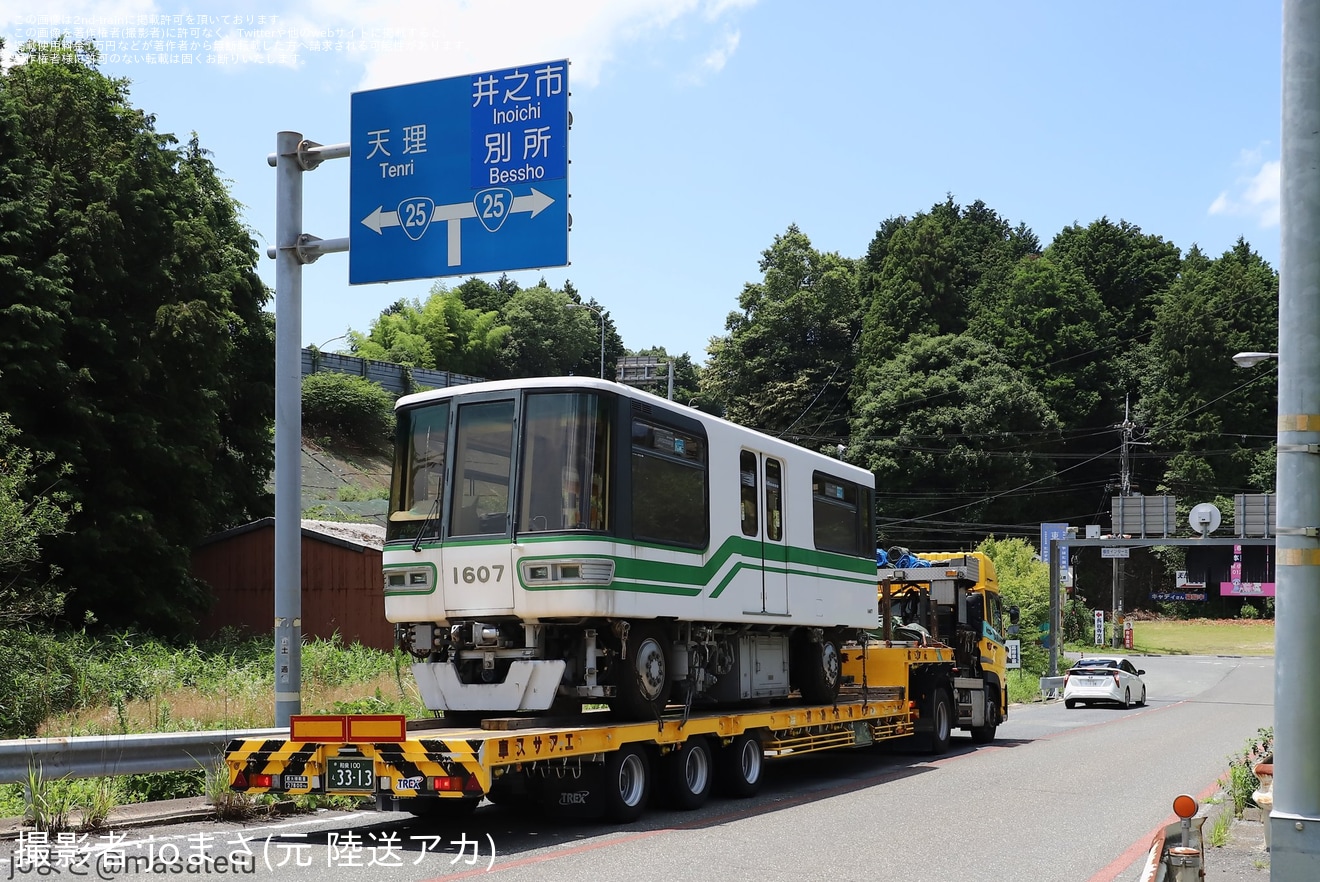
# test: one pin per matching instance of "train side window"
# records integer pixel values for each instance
(774, 500)
(839, 514)
(747, 491)
(669, 491)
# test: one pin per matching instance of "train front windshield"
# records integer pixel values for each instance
(454, 466)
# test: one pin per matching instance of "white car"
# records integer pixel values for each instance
(1103, 678)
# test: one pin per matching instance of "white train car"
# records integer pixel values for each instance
(558, 540)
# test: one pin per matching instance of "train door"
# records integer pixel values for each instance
(774, 547)
(476, 561)
(761, 480)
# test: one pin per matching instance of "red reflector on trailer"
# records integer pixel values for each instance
(240, 780)
(473, 785)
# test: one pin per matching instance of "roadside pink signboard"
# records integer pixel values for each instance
(1246, 589)
(1238, 588)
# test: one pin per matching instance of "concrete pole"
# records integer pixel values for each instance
(1295, 820)
(1056, 609)
(1113, 609)
(288, 428)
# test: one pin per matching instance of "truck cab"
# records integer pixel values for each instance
(950, 602)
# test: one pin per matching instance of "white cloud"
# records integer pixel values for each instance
(405, 41)
(474, 36)
(716, 59)
(1254, 194)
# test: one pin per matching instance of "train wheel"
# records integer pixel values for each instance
(738, 766)
(627, 784)
(687, 774)
(817, 669)
(643, 682)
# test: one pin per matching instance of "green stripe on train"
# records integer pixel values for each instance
(667, 577)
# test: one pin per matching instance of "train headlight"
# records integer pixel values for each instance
(407, 581)
(591, 571)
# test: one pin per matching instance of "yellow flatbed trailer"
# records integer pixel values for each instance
(589, 761)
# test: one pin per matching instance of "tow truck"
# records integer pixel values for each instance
(935, 662)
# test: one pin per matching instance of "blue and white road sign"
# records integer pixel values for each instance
(460, 176)
(1054, 531)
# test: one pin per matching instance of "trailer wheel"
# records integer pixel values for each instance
(627, 784)
(738, 766)
(687, 774)
(642, 679)
(985, 734)
(941, 716)
(818, 666)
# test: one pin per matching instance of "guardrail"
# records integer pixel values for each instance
(97, 756)
(1050, 684)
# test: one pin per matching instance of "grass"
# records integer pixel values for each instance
(1161, 637)
(1204, 637)
(127, 683)
(1218, 836)
(134, 685)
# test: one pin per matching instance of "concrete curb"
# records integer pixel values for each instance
(144, 814)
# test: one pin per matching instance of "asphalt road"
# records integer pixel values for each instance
(1069, 795)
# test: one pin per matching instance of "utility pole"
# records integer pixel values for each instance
(1295, 820)
(1127, 427)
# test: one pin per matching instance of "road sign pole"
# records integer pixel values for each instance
(288, 429)
(293, 155)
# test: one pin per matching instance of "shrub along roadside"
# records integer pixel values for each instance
(348, 408)
(77, 684)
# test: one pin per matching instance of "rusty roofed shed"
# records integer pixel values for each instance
(341, 581)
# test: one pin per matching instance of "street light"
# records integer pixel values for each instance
(328, 342)
(599, 315)
(1251, 359)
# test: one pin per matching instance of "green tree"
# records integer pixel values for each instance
(786, 363)
(483, 296)
(922, 277)
(28, 514)
(442, 332)
(1129, 270)
(586, 362)
(1210, 422)
(135, 346)
(1043, 320)
(350, 408)
(953, 434)
(548, 339)
(1024, 582)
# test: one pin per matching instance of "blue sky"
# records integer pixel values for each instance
(703, 128)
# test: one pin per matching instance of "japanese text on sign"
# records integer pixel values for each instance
(512, 139)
